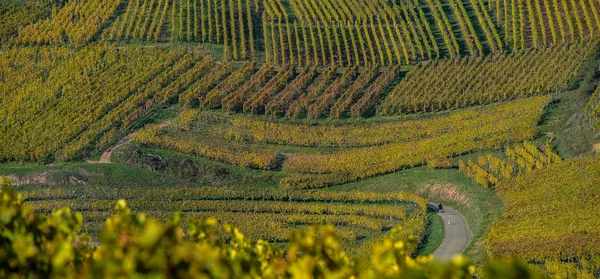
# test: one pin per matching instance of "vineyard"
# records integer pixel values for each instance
(593, 109)
(557, 206)
(360, 217)
(281, 116)
(165, 249)
(287, 92)
(198, 80)
(87, 97)
(377, 33)
(449, 84)
(520, 159)
(436, 86)
(13, 18)
(539, 24)
(243, 142)
(80, 21)
(304, 33)
(230, 23)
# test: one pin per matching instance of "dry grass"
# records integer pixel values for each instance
(597, 148)
(450, 192)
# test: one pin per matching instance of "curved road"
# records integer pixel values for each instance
(456, 233)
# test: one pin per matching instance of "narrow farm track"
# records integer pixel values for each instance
(106, 156)
(456, 233)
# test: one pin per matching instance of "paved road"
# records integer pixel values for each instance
(456, 233)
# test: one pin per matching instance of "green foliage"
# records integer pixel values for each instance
(511, 269)
(75, 24)
(297, 148)
(33, 244)
(572, 19)
(228, 22)
(489, 170)
(85, 98)
(133, 245)
(485, 80)
(550, 214)
(14, 17)
(593, 108)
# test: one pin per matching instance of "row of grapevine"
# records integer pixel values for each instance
(416, 23)
(593, 109)
(453, 84)
(307, 93)
(419, 28)
(272, 209)
(298, 107)
(489, 27)
(446, 136)
(141, 20)
(229, 194)
(238, 218)
(528, 157)
(266, 225)
(520, 159)
(257, 226)
(352, 33)
(311, 10)
(359, 134)
(196, 92)
(19, 65)
(255, 221)
(277, 105)
(257, 102)
(162, 90)
(444, 26)
(366, 104)
(215, 96)
(480, 33)
(342, 105)
(333, 92)
(568, 190)
(236, 100)
(238, 155)
(183, 81)
(230, 23)
(331, 32)
(275, 9)
(76, 99)
(584, 267)
(318, 170)
(357, 214)
(539, 24)
(471, 39)
(382, 42)
(184, 247)
(243, 206)
(76, 23)
(14, 17)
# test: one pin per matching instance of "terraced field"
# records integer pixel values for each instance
(361, 218)
(264, 113)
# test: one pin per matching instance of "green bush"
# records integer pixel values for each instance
(133, 246)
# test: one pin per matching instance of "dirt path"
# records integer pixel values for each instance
(456, 234)
(107, 154)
